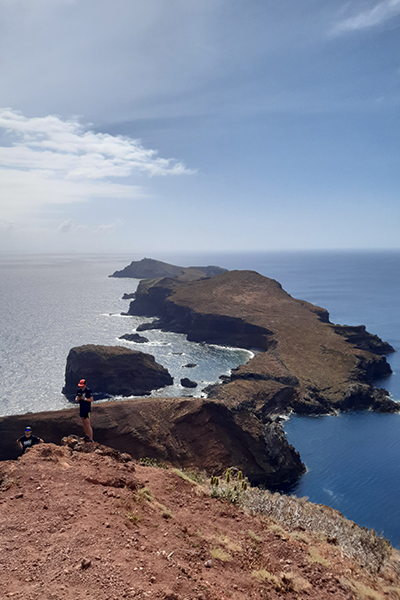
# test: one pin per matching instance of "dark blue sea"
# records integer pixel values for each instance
(48, 304)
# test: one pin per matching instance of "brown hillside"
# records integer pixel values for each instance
(97, 526)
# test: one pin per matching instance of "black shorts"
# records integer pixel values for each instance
(84, 411)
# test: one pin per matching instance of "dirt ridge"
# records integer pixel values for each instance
(71, 531)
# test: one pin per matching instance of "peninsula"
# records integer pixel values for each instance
(304, 363)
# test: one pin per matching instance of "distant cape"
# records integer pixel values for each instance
(148, 268)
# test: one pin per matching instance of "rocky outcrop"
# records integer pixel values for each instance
(359, 337)
(204, 434)
(306, 363)
(134, 337)
(148, 268)
(188, 383)
(114, 370)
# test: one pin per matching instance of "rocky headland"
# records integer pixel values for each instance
(148, 268)
(304, 363)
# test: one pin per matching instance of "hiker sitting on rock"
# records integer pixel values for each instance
(85, 399)
(28, 440)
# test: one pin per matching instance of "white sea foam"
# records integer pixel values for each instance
(251, 353)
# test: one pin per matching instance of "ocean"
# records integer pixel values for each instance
(49, 304)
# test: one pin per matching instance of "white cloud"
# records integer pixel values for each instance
(378, 14)
(71, 226)
(53, 161)
(66, 227)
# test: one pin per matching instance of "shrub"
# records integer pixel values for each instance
(230, 488)
(292, 515)
(357, 543)
(152, 462)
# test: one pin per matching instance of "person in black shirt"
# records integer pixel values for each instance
(28, 440)
(85, 399)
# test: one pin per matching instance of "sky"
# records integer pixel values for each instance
(154, 126)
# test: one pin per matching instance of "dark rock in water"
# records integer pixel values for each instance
(134, 337)
(128, 296)
(190, 366)
(185, 382)
(148, 326)
(148, 268)
(114, 370)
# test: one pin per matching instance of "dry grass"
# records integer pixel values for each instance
(264, 575)
(361, 591)
(299, 536)
(132, 518)
(255, 538)
(295, 582)
(145, 494)
(314, 556)
(190, 475)
(394, 592)
(229, 545)
(220, 554)
(283, 582)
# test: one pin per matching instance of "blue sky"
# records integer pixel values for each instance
(150, 126)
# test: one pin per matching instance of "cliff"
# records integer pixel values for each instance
(195, 433)
(99, 525)
(305, 363)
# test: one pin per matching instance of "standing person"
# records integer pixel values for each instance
(85, 399)
(28, 440)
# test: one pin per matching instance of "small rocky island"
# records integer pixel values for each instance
(114, 370)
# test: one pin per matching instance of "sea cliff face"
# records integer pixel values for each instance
(305, 363)
(196, 433)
